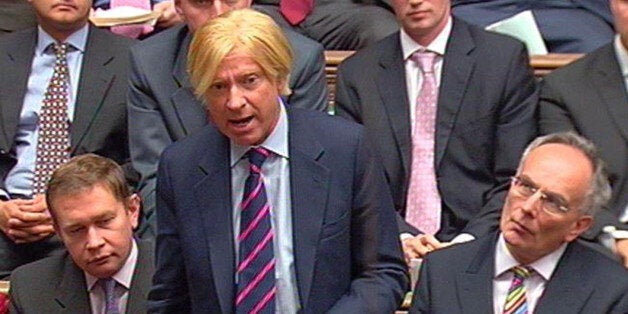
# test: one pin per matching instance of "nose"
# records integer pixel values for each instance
(533, 204)
(236, 98)
(94, 239)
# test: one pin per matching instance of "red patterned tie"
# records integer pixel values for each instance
(295, 11)
(132, 31)
(256, 269)
(423, 203)
(53, 143)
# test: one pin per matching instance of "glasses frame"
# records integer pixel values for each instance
(526, 189)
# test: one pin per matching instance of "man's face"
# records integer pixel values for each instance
(242, 101)
(422, 19)
(196, 12)
(97, 229)
(620, 13)
(532, 231)
(62, 16)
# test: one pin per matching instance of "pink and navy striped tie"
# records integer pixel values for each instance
(256, 269)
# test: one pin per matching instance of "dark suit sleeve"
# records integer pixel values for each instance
(308, 84)
(148, 137)
(169, 293)
(379, 280)
(515, 127)
(15, 303)
(555, 116)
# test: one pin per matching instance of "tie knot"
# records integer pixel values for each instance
(522, 272)
(257, 156)
(108, 285)
(60, 50)
(425, 60)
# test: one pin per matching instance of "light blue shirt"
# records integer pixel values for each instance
(20, 179)
(276, 175)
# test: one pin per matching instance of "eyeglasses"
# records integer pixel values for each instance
(550, 203)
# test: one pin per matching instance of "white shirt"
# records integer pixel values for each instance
(413, 76)
(276, 175)
(123, 277)
(535, 284)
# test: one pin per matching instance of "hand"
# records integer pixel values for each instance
(419, 246)
(621, 245)
(26, 221)
(169, 16)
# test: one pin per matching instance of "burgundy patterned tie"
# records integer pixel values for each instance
(53, 143)
(295, 11)
(423, 204)
(256, 269)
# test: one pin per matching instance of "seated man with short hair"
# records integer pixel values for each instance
(535, 264)
(105, 270)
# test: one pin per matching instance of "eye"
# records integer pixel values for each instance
(75, 230)
(218, 86)
(251, 80)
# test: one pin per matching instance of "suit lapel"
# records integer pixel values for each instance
(565, 290)
(189, 109)
(395, 100)
(213, 195)
(17, 66)
(308, 182)
(458, 65)
(94, 84)
(141, 281)
(475, 286)
(607, 79)
(72, 294)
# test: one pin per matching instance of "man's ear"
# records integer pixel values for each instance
(134, 205)
(579, 227)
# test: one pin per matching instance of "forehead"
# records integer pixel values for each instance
(237, 62)
(559, 168)
(85, 205)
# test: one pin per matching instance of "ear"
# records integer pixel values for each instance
(579, 227)
(177, 8)
(134, 205)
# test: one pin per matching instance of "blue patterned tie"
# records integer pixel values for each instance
(256, 269)
(111, 302)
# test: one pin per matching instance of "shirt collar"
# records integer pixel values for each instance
(78, 39)
(544, 266)
(276, 142)
(438, 45)
(622, 56)
(124, 276)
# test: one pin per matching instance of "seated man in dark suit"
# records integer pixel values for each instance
(536, 264)
(105, 270)
(589, 97)
(162, 108)
(565, 25)
(337, 24)
(450, 107)
(270, 209)
(62, 93)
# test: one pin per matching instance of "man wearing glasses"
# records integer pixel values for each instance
(535, 264)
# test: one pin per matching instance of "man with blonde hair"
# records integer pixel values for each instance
(269, 208)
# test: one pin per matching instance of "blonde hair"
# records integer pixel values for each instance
(248, 31)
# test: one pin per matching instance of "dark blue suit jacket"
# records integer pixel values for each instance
(459, 280)
(346, 247)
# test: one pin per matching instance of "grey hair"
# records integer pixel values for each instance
(599, 192)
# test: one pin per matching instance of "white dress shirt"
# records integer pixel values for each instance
(276, 175)
(535, 284)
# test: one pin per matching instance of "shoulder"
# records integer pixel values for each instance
(484, 39)
(599, 267)
(323, 125)
(301, 43)
(365, 58)
(581, 68)
(105, 39)
(44, 272)
(193, 147)
(161, 45)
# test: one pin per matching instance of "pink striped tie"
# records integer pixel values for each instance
(256, 269)
(132, 31)
(423, 204)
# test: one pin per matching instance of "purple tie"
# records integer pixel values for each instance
(111, 301)
(423, 204)
(256, 269)
(53, 143)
